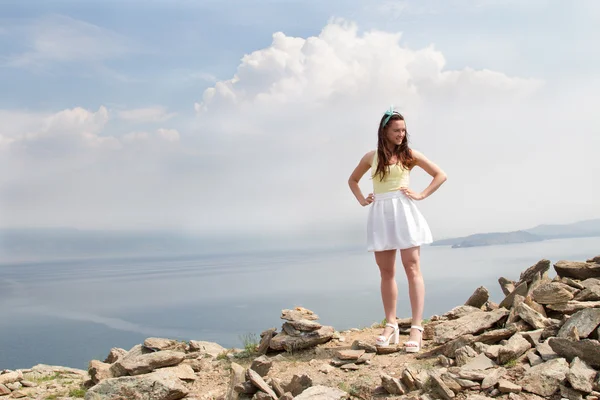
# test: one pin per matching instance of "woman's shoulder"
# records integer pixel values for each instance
(415, 153)
(368, 157)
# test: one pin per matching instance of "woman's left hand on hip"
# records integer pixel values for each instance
(411, 194)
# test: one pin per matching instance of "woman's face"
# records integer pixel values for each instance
(395, 132)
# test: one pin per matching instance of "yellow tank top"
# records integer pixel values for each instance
(397, 176)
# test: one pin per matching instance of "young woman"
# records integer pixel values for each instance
(394, 221)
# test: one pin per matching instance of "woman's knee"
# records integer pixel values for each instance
(387, 272)
(412, 269)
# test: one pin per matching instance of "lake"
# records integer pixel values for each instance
(67, 312)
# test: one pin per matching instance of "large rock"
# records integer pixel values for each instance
(265, 340)
(568, 393)
(155, 343)
(299, 313)
(573, 283)
(260, 383)
(10, 377)
(283, 341)
(146, 363)
(210, 348)
(460, 311)
(551, 293)
(532, 317)
(99, 371)
(516, 347)
(262, 365)
(182, 371)
(505, 386)
(535, 306)
(471, 374)
(587, 350)
(541, 268)
(591, 291)
(298, 384)
(545, 379)
(438, 385)
(351, 355)
(545, 351)
(362, 345)
(464, 355)
(506, 285)
(236, 377)
(496, 335)
(581, 376)
(452, 382)
(492, 378)
(114, 354)
(585, 321)
(158, 385)
(479, 363)
(322, 393)
(393, 385)
(469, 324)
(304, 325)
(479, 297)
(573, 306)
(577, 270)
(521, 290)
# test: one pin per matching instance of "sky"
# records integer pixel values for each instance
(249, 116)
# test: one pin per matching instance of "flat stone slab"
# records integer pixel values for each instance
(158, 385)
(479, 363)
(469, 324)
(587, 350)
(551, 293)
(350, 354)
(545, 379)
(586, 321)
(283, 341)
(577, 270)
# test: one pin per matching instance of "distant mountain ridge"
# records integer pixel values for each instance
(586, 228)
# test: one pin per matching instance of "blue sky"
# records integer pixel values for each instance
(105, 123)
(168, 51)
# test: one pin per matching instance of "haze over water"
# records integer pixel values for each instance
(68, 312)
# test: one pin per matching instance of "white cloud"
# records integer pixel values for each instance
(147, 114)
(70, 134)
(272, 147)
(341, 65)
(58, 134)
(301, 112)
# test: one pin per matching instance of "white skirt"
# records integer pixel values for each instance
(395, 222)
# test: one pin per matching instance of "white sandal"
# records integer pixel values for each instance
(414, 347)
(382, 341)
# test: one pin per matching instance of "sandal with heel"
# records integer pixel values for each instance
(383, 341)
(414, 346)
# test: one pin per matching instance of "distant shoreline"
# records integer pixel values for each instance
(581, 229)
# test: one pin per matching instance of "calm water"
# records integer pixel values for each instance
(69, 312)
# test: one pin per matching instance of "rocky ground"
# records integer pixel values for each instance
(540, 341)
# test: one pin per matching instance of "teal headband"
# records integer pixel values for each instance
(389, 114)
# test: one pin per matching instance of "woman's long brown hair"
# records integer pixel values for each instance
(401, 151)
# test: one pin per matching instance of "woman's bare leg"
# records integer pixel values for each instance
(416, 287)
(386, 260)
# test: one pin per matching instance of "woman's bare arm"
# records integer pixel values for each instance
(363, 166)
(439, 177)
